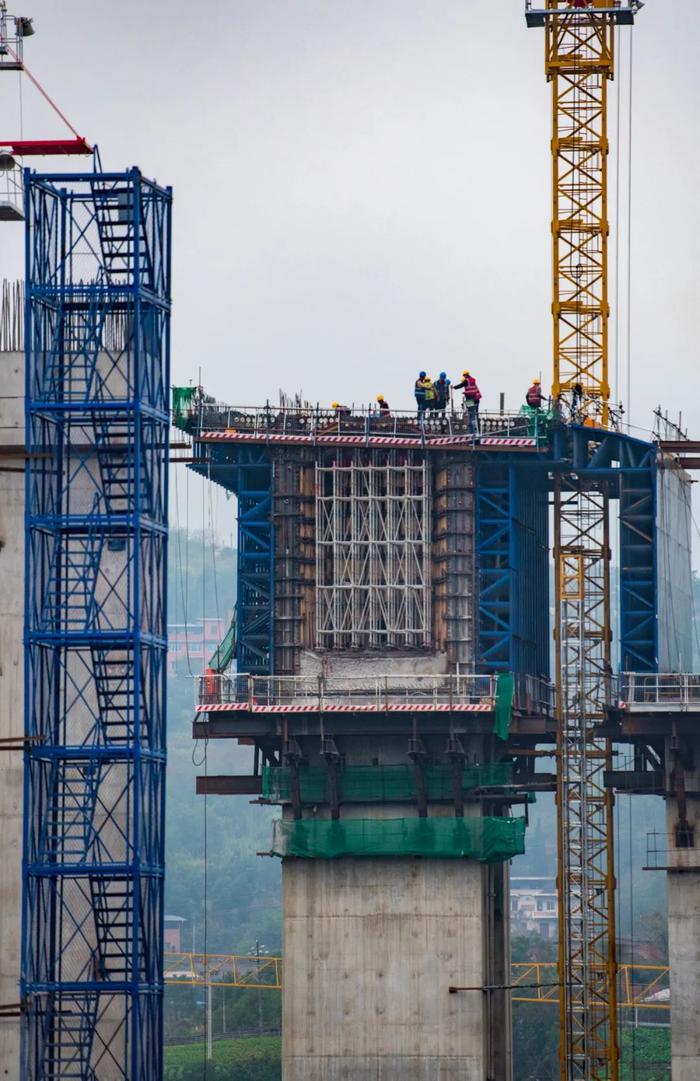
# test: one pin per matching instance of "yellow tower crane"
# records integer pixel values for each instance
(579, 63)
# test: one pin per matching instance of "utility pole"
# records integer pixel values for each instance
(210, 1012)
(260, 1007)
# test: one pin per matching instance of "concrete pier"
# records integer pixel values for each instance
(683, 892)
(372, 948)
(11, 701)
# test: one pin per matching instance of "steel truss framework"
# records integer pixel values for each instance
(255, 596)
(586, 873)
(373, 537)
(579, 62)
(97, 430)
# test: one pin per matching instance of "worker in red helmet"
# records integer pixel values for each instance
(471, 396)
(534, 396)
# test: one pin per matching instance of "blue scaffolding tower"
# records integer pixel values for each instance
(97, 384)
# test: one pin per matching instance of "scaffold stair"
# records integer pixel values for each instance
(71, 590)
(69, 830)
(67, 1049)
(112, 904)
(114, 216)
(114, 681)
(114, 447)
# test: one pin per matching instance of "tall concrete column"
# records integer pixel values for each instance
(371, 949)
(683, 891)
(11, 701)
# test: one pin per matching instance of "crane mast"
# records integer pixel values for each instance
(579, 63)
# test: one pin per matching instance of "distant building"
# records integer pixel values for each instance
(533, 904)
(172, 935)
(198, 639)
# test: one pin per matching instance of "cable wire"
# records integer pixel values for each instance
(617, 223)
(39, 87)
(181, 574)
(629, 230)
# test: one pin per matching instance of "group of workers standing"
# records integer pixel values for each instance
(434, 396)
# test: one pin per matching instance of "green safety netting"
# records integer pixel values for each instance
(182, 401)
(539, 420)
(226, 650)
(488, 840)
(505, 693)
(379, 783)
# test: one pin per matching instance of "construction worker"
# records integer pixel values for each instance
(340, 410)
(384, 410)
(421, 388)
(210, 686)
(442, 392)
(471, 396)
(576, 400)
(534, 396)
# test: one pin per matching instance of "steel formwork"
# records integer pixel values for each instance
(373, 537)
(97, 383)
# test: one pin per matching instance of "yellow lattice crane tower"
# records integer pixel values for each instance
(579, 63)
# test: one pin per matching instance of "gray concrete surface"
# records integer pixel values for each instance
(371, 948)
(11, 701)
(683, 892)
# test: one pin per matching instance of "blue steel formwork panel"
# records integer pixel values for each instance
(628, 468)
(494, 563)
(638, 557)
(247, 472)
(255, 596)
(512, 559)
(97, 431)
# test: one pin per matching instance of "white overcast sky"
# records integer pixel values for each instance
(362, 187)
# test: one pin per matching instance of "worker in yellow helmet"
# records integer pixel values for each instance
(534, 396)
(383, 404)
(340, 410)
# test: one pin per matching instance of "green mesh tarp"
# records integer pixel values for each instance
(182, 402)
(505, 691)
(487, 840)
(225, 651)
(379, 783)
(538, 420)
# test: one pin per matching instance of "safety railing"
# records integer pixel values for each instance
(376, 692)
(208, 416)
(533, 696)
(644, 691)
(674, 851)
(639, 986)
(223, 969)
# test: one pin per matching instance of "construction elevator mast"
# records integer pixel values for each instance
(579, 63)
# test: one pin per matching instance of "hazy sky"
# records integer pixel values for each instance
(362, 186)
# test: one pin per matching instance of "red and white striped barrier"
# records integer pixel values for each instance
(222, 707)
(340, 440)
(313, 707)
(508, 441)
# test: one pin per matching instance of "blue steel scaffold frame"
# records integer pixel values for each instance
(247, 472)
(97, 434)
